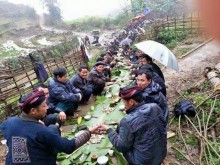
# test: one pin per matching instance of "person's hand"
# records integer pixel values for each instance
(95, 130)
(102, 127)
(62, 116)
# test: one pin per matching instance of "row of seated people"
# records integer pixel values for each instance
(64, 96)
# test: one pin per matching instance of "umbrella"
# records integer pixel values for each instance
(126, 41)
(159, 52)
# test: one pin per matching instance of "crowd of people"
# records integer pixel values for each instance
(141, 134)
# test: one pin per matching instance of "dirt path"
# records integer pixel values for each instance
(191, 72)
(191, 68)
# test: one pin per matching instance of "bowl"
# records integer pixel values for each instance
(87, 117)
(122, 107)
(102, 160)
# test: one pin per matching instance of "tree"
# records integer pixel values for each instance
(55, 15)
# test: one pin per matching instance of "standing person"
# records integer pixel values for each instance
(87, 41)
(151, 91)
(79, 80)
(61, 94)
(97, 78)
(30, 142)
(141, 134)
(145, 59)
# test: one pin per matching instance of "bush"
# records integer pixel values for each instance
(169, 37)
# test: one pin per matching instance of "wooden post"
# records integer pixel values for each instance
(24, 69)
(13, 77)
(62, 57)
(198, 24)
(45, 61)
(191, 23)
(175, 25)
(183, 23)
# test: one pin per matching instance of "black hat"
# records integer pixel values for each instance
(99, 63)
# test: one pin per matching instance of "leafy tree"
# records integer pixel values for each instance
(54, 16)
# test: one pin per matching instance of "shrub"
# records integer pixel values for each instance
(169, 37)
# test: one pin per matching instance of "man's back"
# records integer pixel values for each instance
(149, 130)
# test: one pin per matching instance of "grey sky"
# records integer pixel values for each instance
(72, 9)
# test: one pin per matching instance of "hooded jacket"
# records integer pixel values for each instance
(152, 94)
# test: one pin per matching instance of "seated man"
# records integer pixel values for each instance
(30, 142)
(97, 78)
(141, 134)
(145, 59)
(152, 91)
(155, 77)
(61, 94)
(53, 115)
(79, 80)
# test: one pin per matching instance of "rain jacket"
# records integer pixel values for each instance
(97, 78)
(152, 94)
(59, 92)
(80, 83)
(157, 69)
(141, 135)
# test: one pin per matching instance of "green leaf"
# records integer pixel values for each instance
(120, 158)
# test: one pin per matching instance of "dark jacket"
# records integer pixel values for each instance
(80, 83)
(59, 92)
(30, 142)
(152, 94)
(97, 78)
(157, 79)
(141, 135)
(157, 69)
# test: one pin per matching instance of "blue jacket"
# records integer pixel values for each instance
(80, 83)
(59, 92)
(141, 135)
(152, 94)
(33, 143)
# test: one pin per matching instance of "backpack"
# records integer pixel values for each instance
(184, 108)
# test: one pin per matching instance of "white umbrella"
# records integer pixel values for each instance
(159, 52)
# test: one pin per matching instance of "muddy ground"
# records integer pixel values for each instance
(190, 72)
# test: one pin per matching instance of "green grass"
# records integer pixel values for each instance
(22, 45)
(181, 51)
(191, 140)
(9, 53)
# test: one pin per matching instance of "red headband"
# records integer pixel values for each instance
(31, 98)
(126, 93)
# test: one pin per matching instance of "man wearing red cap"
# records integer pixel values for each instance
(30, 142)
(141, 134)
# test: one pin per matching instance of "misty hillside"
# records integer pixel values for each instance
(13, 16)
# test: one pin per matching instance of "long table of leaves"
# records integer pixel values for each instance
(105, 110)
